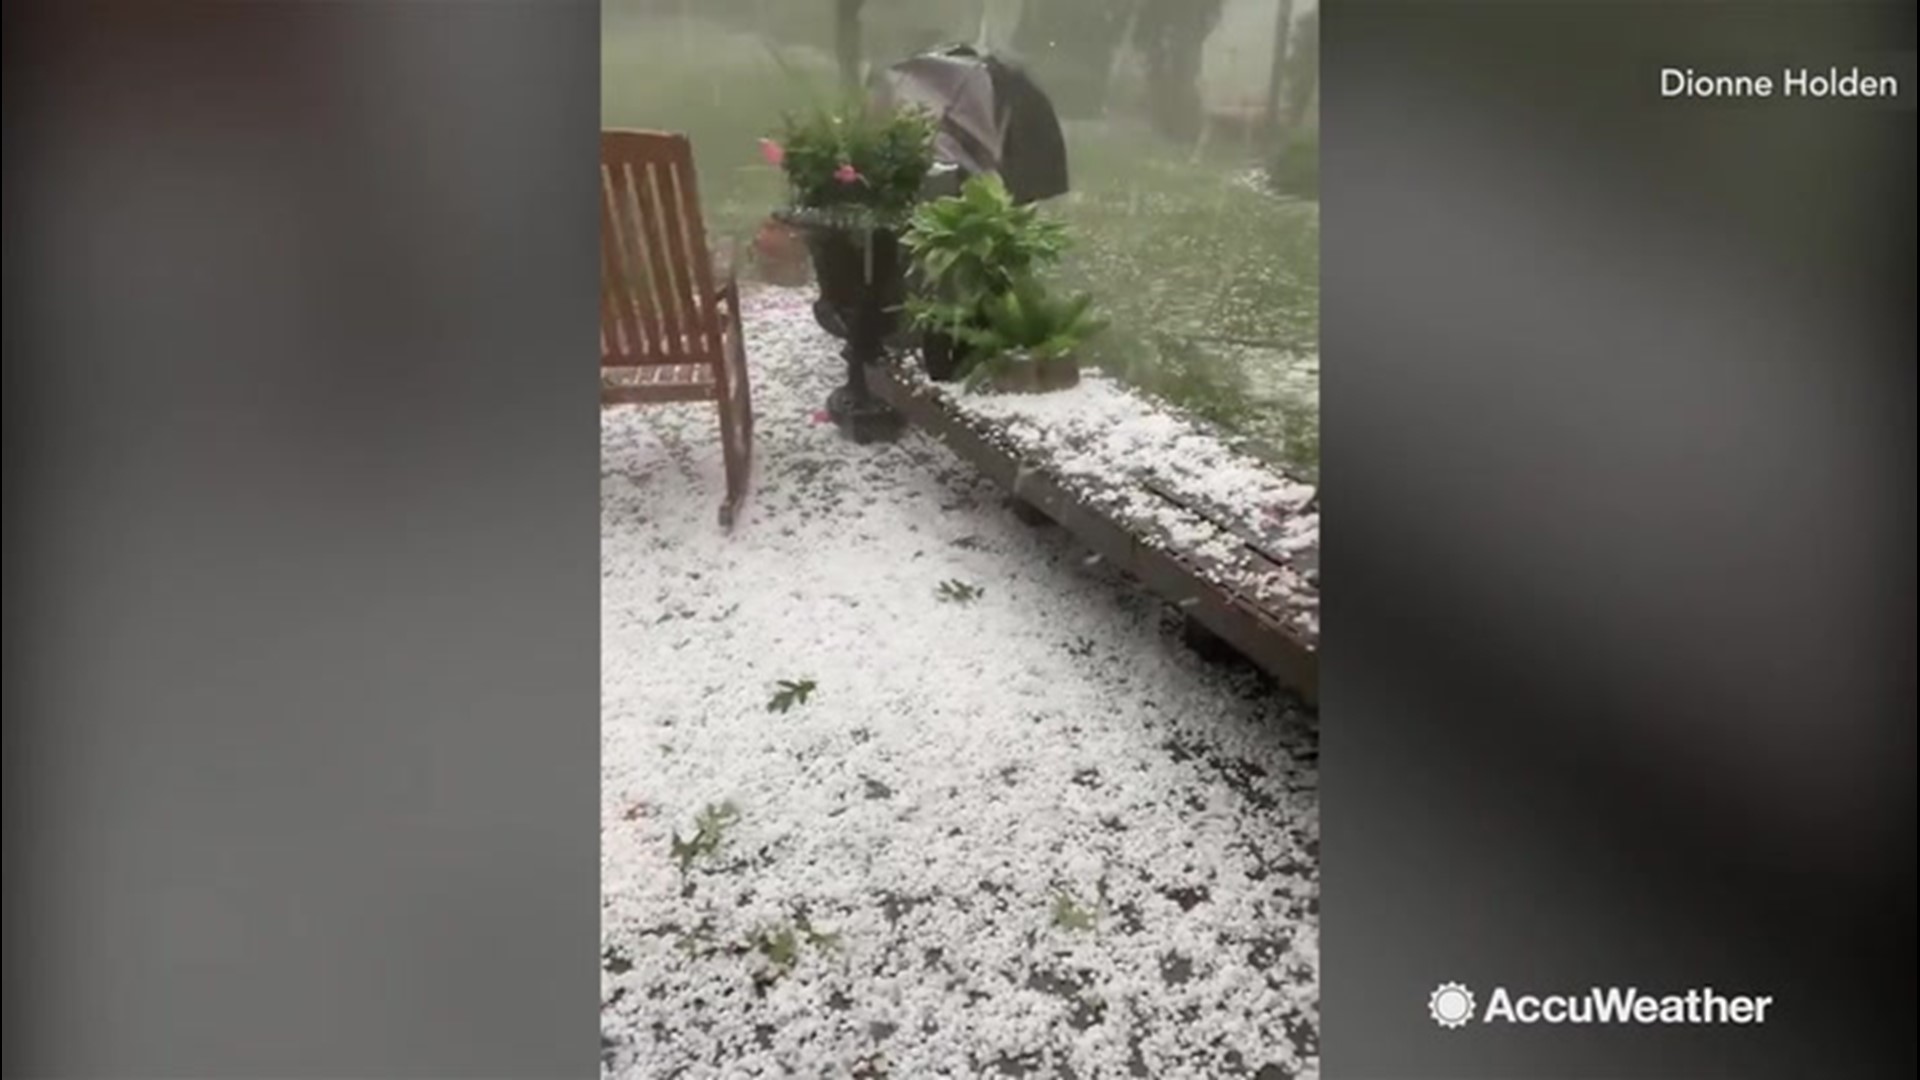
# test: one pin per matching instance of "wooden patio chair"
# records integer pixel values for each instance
(667, 331)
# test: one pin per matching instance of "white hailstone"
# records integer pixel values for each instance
(941, 699)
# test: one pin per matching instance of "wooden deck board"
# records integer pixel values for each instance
(1220, 587)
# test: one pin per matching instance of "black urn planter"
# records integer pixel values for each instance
(862, 276)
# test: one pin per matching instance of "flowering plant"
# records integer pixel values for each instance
(858, 158)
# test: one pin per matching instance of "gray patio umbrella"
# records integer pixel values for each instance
(991, 118)
(958, 91)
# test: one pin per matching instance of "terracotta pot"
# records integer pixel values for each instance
(780, 254)
(1037, 376)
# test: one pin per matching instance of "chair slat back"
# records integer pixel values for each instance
(657, 299)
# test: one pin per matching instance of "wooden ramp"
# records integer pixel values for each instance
(1244, 571)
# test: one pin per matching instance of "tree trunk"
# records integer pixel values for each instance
(1069, 46)
(999, 22)
(1302, 90)
(846, 41)
(1172, 36)
(1277, 78)
(1118, 55)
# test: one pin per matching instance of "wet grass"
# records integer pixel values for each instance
(1212, 285)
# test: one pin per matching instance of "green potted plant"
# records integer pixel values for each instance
(1026, 337)
(967, 249)
(853, 173)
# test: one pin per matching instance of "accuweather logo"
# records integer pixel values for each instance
(1451, 1005)
(1454, 1006)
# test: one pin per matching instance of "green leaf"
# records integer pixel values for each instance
(959, 592)
(1069, 915)
(781, 948)
(1075, 308)
(826, 942)
(708, 834)
(790, 692)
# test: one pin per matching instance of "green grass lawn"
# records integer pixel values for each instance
(1212, 285)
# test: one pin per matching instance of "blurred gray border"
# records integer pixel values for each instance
(1618, 449)
(302, 544)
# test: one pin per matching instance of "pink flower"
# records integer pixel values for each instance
(846, 173)
(822, 416)
(772, 152)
